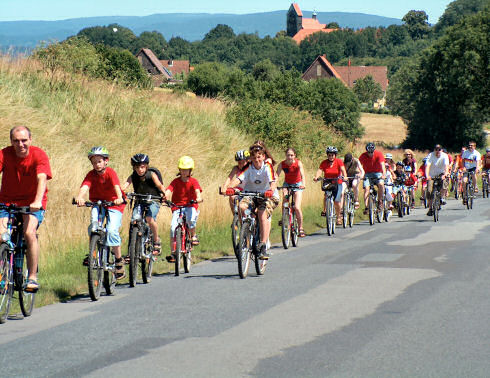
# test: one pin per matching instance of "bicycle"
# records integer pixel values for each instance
(348, 210)
(13, 258)
(140, 245)
(181, 242)
(484, 183)
(374, 211)
(469, 193)
(101, 261)
(399, 201)
(328, 186)
(411, 199)
(249, 239)
(436, 197)
(289, 223)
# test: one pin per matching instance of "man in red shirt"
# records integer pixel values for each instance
(373, 163)
(25, 170)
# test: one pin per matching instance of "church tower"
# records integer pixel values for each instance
(294, 20)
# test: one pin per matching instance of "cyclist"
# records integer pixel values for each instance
(259, 176)
(333, 168)
(486, 161)
(146, 181)
(437, 164)
(182, 191)
(423, 179)
(471, 160)
(399, 179)
(353, 168)
(294, 177)
(102, 183)
(242, 159)
(458, 167)
(409, 159)
(411, 180)
(390, 174)
(25, 172)
(373, 163)
(268, 156)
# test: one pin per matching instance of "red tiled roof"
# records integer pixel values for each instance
(298, 11)
(303, 33)
(352, 73)
(312, 23)
(176, 66)
(328, 66)
(154, 60)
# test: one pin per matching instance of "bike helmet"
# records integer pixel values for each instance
(140, 159)
(424, 160)
(370, 147)
(389, 156)
(242, 155)
(332, 150)
(488, 149)
(399, 163)
(98, 151)
(408, 168)
(186, 162)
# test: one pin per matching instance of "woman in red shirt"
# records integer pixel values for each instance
(294, 177)
(333, 170)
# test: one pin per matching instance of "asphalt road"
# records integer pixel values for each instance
(402, 299)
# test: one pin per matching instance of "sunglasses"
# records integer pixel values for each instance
(438, 149)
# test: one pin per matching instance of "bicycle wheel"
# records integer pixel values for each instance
(26, 299)
(407, 206)
(345, 210)
(134, 241)
(186, 256)
(468, 196)
(471, 196)
(286, 228)
(351, 211)
(483, 187)
(371, 209)
(6, 287)
(260, 265)
(95, 270)
(178, 249)
(435, 207)
(244, 250)
(380, 213)
(294, 231)
(399, 201)
(147, 263)
(109, 275)
(235, 232)
(329, 218)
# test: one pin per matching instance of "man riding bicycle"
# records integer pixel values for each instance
(353, 168)
(25, 172)
(437, 164)
(471, 160)
(373, 163)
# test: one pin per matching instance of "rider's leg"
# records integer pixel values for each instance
(298, 196)
(231, 200)
(264, 225)
(113, 237)
(355, 189)
(30, 227)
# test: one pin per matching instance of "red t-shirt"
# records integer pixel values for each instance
(101, 187)
(372, 164)
(411, 180)
(19, 180)
(292, 173)
(184, 192)
(333, 169)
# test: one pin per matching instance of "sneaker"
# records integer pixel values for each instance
(430, 213)
(443, 201)
(170, 258)
(263, 255)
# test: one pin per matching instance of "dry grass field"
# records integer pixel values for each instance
(383, 128)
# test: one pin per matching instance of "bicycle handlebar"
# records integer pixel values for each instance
(145, 197)
(13, 208)
(98, 203)
(243, 193)
(171, 204)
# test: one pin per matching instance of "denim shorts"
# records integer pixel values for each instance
(152, 211)
(373, 175)
(38, 214)
(297, 185)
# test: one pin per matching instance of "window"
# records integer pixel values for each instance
(318, 70)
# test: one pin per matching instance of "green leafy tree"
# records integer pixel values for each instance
(208, 79)
(265, 71)
(151, 40)
(333, 25)
(367, 90)
(179, 48)
(219, 32)
(458, 9)
(416, 24)
(113, 35)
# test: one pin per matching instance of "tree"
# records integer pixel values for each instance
(265, 70)
(113, 35)
(208, 79)
(154, 41)
(447, 96)
(220, 31)
(333, 25)
(367, 90)
(458, 9)
(179, 48)
(416, 24)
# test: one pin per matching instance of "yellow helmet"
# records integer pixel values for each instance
(186, 162)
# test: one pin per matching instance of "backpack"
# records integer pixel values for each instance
(157, 172)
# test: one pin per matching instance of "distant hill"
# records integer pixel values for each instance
(190, 26)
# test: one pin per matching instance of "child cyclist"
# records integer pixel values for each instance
(146, 181)
(242, 159)
(294, 177)
(102, 183)
(258, 177)
(182, 191)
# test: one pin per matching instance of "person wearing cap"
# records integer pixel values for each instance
(354, 170)
(471, 160)
(242, 158)
(437, 164)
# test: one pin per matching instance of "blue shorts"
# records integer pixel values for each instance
(373, 175)
(297, 185)
(152, 211)
(38, 214)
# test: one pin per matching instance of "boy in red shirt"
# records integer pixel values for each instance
(411, 180)
(102, 183)
(182, 191)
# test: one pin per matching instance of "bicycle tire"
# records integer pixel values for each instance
(371, 209)
(186, 256)
(351, 214)
(146, 264)
(286, 228)
(380, 213)
(295, 231)
(110, 275)
(484, 188)
(329, 218)
(399, 200)
(409, 204)
(178, 250)
(345, 211)
(468, 196)
(6, 287)
(133, 255)
(235, 232)
(435, 207)
(260, 265)
(26, 299)
(94, 269)
(245, 247)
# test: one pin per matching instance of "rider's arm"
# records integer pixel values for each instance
(317, 175)
(42, 178)
(344, 172)
(119, 200)
(157, 182)
(361, 169)
(427, 168)
(383, 168)
(198, 196)
(302, 173)
(236, 181)
(230, 177)
(128, 182)
(279, 169)
(82, 194)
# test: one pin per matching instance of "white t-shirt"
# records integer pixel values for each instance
(438, 165)
(258, 180)
(471, 158)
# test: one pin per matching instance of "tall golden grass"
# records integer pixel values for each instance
(68, 115)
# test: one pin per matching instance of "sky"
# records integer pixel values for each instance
(13, 10)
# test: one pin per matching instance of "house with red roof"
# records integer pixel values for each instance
(177, 67)
(153, 66)
(299, 27)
